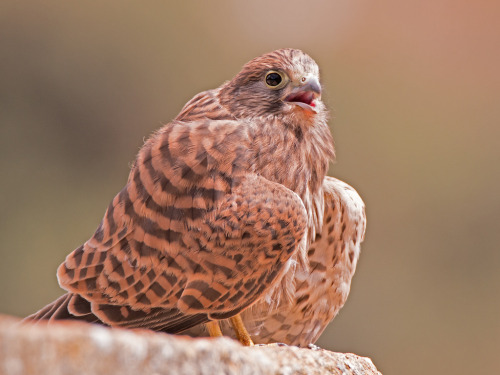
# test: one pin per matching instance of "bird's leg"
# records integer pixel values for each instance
(240, 330)
(214, 328)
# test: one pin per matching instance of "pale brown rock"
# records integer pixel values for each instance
(76, 348)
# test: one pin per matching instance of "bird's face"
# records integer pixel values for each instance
(283, 82)
(297, 90)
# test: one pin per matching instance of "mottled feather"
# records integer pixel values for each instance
(320, 290)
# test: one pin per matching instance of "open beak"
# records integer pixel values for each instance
(306, 94)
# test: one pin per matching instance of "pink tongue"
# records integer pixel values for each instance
(303, 98)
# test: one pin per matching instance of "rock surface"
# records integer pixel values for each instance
(69, 348)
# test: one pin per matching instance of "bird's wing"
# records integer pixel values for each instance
(322, 289)
(194, 235)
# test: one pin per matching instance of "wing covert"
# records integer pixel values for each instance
(194, 233)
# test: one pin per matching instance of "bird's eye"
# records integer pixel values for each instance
(275, 80)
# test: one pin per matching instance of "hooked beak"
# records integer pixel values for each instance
(306, 94)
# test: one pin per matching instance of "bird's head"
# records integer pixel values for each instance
(282, 82)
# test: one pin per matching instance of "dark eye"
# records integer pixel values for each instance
(273, 79)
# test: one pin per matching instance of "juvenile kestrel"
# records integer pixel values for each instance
(218, 211)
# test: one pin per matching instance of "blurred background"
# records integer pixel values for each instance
(414, 89)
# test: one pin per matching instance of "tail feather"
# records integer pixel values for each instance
(71, 306)
(61, 308)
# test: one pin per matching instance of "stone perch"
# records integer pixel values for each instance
(69, 348)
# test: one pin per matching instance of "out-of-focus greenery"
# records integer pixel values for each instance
(414, 89)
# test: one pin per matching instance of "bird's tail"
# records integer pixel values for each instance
(67, 307)
(71, 306)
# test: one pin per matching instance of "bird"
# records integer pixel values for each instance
(218, 213)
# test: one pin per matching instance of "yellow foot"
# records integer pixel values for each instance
(214, 329)
(240, 330)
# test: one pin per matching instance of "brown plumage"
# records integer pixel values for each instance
(321, 289)
(218, 211)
